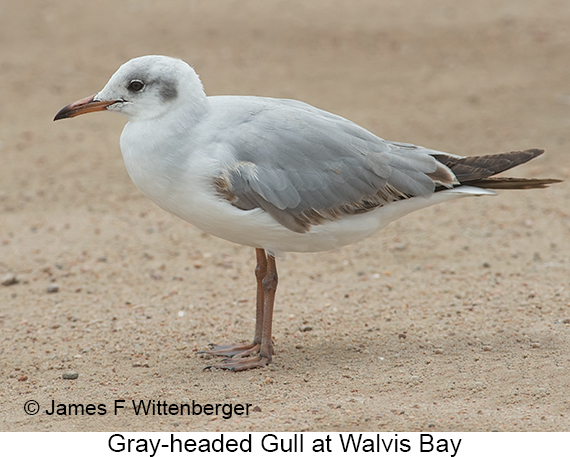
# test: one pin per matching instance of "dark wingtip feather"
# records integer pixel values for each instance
(469, 170)
(514, 183)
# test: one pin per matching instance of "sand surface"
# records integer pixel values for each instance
(455, 318)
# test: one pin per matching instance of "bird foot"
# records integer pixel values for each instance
(241, 363)
(236, 350)
(239, 356)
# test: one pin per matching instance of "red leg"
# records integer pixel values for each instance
(245, 349)
(266, 273)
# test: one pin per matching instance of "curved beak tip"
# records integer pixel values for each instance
(83, 106)
(62, 113)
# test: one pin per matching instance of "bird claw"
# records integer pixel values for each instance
(239, 356)
(236, 350)
(241, 364)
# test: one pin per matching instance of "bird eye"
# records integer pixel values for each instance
(136, 85)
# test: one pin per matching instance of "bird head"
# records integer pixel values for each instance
(143, 88)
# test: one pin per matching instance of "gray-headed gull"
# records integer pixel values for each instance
(277, 175)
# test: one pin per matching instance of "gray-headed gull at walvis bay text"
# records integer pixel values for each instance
(276, 175)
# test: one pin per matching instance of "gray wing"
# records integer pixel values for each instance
(304, 166)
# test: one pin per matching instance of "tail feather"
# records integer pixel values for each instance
(478, 170)
(514, 183)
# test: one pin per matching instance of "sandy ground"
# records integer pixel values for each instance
(456, 318)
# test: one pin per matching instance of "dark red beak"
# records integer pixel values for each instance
(83, 106)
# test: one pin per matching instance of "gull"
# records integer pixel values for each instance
(274, 174)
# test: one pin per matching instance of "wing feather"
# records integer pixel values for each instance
(304, 166)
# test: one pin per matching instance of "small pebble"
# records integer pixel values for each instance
(23, 378)
(9, 279)
(53, 288)
(70, 375)
(535, 345)
(256, 409)
(438, 351)
(487, 348)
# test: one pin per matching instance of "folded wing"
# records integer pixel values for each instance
(305, 166)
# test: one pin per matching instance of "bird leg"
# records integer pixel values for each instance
(266, 274)
(245, 349)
